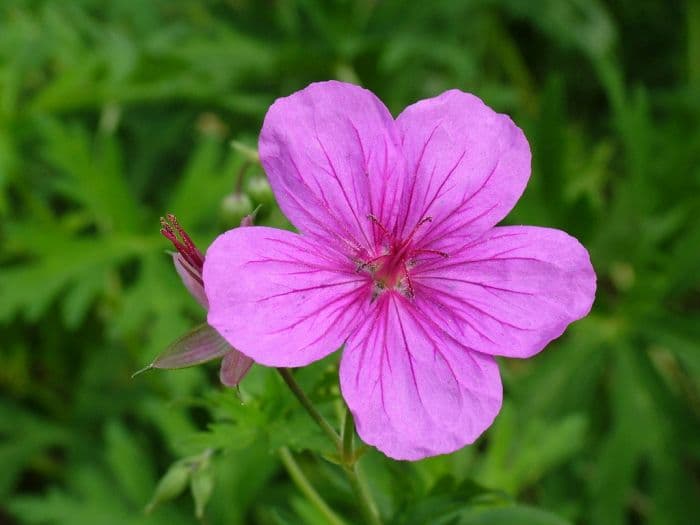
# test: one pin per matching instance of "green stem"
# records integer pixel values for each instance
(305, 487)
(286, 374)
(344, 446)
(348, 435)
(359, 487)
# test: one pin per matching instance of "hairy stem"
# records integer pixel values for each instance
(286, 374)
(343, 444)
(305, 487)
(357, 482)
(348, 435)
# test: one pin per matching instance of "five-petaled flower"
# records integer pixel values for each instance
(399, 260)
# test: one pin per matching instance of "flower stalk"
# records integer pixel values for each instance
(346, 452)
(286, 374)
(305, 487)
(359, 486)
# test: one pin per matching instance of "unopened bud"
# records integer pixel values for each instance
(171, 484)
(234, 207)
(202, 486)
(249, 153)
(259, 190)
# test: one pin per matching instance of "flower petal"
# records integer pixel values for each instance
(332, 155)
(468, 166)
(234, 366)
(186, 273)
(414, 391)
(511, 291)
(280, 298)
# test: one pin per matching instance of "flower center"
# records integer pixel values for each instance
(394, 258)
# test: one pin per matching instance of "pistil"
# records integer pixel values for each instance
(391, 269)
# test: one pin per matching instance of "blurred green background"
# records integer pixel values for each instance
(114, 112)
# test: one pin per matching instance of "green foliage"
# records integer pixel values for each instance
(112, 113)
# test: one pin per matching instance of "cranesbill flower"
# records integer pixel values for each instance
(203, 343)
(398, 259)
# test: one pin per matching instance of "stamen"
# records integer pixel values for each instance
(377, 289)
(409, 283)
(420, 223)
(375, 221)
(171, 230)
(168, 234)
(392, 269)
(361, 265)
(185, 238)
(434, 252)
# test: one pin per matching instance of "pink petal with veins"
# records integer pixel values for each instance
(280, 298)
(468, 166)
(333, 156)
(413, 390)
(511, 291)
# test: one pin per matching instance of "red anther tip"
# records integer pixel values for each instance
(168, 234)
(171, 230)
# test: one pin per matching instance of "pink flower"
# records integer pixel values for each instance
(203, 343)
(399, 260)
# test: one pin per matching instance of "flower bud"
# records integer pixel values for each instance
(247, 152)
(234, 207)
(202, 486)
(259, 190)
(171, 484)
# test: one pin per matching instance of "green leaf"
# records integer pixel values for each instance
(25, 437)
(518, 514)
(129, 462)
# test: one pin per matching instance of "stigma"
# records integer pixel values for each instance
(390, 264)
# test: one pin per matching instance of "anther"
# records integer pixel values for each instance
(424, 220)
(433, 252)
(183, 235)
(374, 220)
(361, 265)
(409, 284)
(171, 230)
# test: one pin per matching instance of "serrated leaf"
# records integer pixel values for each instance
(221, 435)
